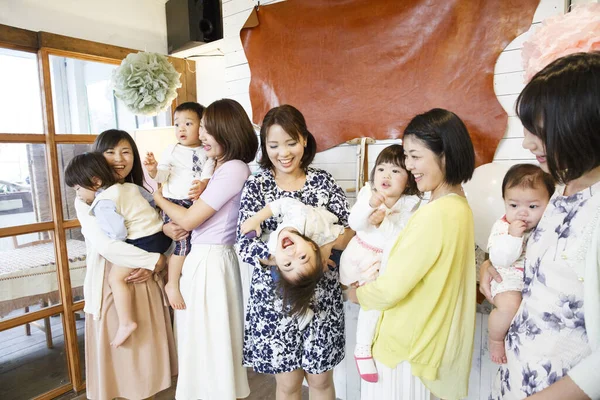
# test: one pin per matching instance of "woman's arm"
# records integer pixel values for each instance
(117, 252)
(226, 183)
(251, 250)
(565, 388)
(187, 218)
(408, 262)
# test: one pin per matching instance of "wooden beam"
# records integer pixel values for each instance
(82, 47)
(54, 393)
(18, 39)
(22, 138)
(60, 240)
(30, 317)
(74, 138)
(71, 223)
(24, 229)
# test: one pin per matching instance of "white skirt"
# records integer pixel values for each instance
(395, 384)
(209, 332)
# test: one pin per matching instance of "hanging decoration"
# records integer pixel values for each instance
(574, 32)
(146, 82)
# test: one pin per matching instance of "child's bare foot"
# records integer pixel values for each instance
(123, 333)
(174, 296)
(497, 352)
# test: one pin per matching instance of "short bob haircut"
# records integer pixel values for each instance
(85, 168)
(561, 106)
(394, 154)
(109, 139)
(227, 122)
(444, 133)
(293, 123)
(527, 176)
(191, 106)
(297, 294)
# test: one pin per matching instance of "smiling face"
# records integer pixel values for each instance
(294, 255)
(120, 159)
(423, 164)
(187, 126)
(390, 180)
(526, 204)
(284, 151)
(212, 148)
(535, 145)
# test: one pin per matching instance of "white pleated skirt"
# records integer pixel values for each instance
(395, 384)
(209, 332)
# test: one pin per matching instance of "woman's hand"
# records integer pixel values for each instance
(487, 272)
(160, 264)
(174, 231)
(351, 294)
(325, 251)
(139, 275)
(158, 196)
(270, 262)
(196, 190)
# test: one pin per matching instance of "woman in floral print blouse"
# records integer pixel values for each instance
(553, 344)
(273, 341)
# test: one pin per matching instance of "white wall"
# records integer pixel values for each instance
(137, 24)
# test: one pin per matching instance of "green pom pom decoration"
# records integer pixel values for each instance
(146, 82)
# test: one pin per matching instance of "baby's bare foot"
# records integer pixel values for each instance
(497, 352)
(174, 296)
(123, 333)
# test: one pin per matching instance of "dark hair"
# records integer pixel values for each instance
(83, 168)
(298, 293)
(445, 134)
(527, 176)
(561, 106)
(227, 122)
(190, 106)
(293, 123)
(109, 139)
(394, 154)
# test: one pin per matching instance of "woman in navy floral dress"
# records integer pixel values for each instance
(273, 342)
(553, 344)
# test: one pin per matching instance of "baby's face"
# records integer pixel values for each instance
(525, 204)
(294, 255)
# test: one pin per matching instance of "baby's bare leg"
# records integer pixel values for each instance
(172, 286)
(123, 304)
(507, 304)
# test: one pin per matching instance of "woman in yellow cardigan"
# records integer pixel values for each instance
(427, 292)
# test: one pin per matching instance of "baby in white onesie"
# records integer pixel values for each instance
(526, 190)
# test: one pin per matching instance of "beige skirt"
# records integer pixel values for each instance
(145, 363)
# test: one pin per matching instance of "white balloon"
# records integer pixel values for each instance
(484, 194)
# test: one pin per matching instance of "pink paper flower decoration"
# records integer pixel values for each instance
(574, 32)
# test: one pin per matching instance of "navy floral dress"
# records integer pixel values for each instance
(547, 336)
(273, 342)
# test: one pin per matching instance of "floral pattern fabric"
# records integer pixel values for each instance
(547, 336)
(273, 341)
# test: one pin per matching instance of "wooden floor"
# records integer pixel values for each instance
(28, 368)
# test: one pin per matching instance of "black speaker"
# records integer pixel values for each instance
(192, 22)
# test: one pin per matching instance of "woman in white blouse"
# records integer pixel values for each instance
(145, 363)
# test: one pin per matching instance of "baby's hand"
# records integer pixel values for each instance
(150, 164)
(376, 217)
(517, 228)
(249, 225)
(376, 200)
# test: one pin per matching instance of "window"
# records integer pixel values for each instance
(53, 103)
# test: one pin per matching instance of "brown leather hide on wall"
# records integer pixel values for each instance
(359, 68)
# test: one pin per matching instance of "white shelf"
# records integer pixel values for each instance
(201, 49)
